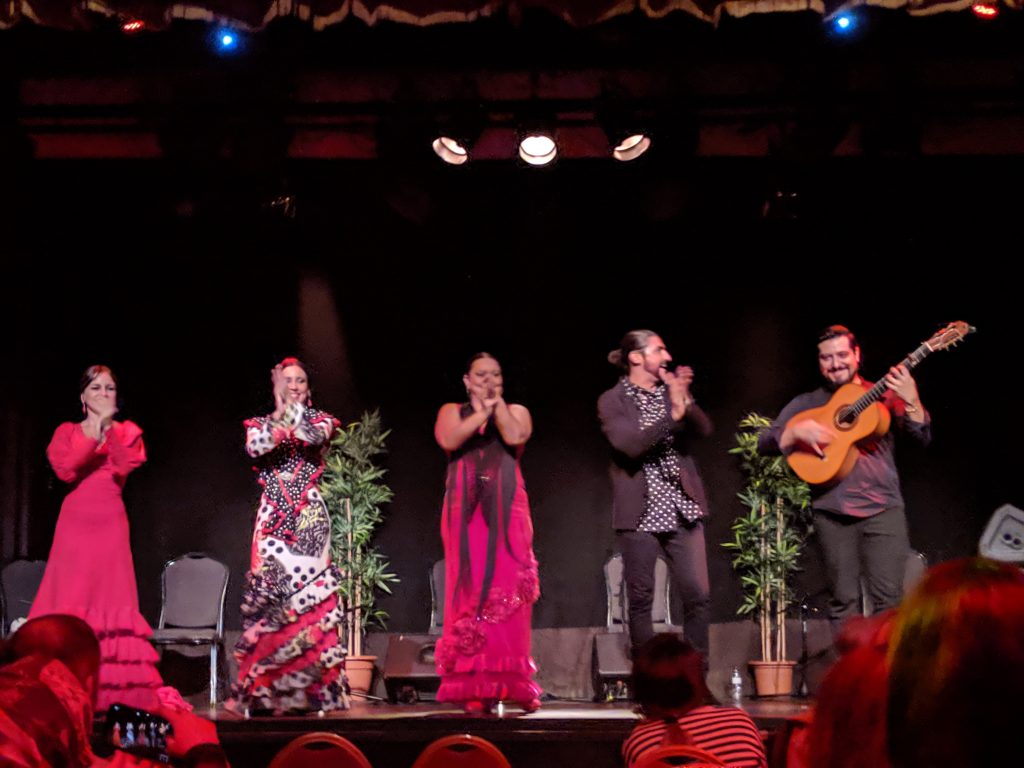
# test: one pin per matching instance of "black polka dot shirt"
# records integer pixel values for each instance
(667, 503)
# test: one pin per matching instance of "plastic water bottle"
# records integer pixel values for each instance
(736, 686)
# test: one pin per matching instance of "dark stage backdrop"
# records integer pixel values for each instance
(387, 283)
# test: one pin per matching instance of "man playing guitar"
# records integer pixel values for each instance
(859, 518)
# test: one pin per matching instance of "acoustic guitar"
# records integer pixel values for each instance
(856, 414)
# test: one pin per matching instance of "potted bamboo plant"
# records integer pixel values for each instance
(766, 545)
(354, 490)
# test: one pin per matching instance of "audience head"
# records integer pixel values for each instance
(956, 664)
(668, 678)
(849, 725)
(67, 639)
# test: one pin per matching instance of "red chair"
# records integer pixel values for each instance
(461, 751)
(678, 754)
(320, 750)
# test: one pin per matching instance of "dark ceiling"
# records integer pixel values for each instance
(775, 84)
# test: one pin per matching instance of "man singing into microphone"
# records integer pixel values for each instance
(658, 499)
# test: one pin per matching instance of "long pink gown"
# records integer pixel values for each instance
(90, 572)
(490, 576)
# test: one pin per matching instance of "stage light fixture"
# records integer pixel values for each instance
(843, 24)
(450, 149)
(226, 40)
(628, 138)
(631, 147)
(537, 147)
(131, 26)
(457, 129)
(456, 136)
(628, 130)
(783, 204)
(985, 11)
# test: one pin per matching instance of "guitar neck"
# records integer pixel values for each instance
(876, 392)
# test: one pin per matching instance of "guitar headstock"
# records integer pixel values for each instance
(949, 336)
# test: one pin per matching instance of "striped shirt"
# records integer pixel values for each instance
(726, 732)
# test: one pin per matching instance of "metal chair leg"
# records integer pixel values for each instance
(213, 675)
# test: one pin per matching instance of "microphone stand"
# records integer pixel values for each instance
(802, 691)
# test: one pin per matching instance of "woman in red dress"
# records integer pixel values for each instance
(90, 572)
(491, 583)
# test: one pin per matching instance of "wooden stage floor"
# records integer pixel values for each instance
(393, 735)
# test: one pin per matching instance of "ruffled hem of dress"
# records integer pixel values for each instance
(278, 695)
(307, 676)
(128, 676)
(489, 664)
(104, 621)
(488, 687)
(128, 673)
(127, 649)
(263, 638)
(261, 608)
(123, 633)
(136, 688)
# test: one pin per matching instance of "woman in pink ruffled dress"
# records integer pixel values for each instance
(90, 572)
(491, 583)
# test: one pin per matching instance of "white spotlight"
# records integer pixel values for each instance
(537, 149)
(450, 150)
(632, 147)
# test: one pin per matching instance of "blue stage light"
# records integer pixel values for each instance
(844, 22)
(226, 39)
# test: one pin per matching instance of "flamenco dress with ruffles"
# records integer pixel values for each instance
(491, 581)
(290, 657)
(90, 572)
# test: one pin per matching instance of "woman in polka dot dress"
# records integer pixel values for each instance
(289, 655)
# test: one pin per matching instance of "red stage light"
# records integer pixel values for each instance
(985, 10)
(130, 27)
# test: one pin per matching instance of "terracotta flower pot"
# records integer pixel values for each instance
(359, 671)
(773, 678)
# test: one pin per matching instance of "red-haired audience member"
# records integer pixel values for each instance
(48, 685)
(956, 668)
(669, 688)
(848, 724)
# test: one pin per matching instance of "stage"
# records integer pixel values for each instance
(560, 733)
(570, 727)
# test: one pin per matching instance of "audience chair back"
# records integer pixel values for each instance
(618, 602)
(193, 587)
(461, 751)
(913, 571)
(19, 583)
(437, 597)
(678, 754)
(320, 750)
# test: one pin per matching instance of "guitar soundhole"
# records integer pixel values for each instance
(845, 418)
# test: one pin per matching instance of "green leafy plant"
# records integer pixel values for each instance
(769, 538)
(354, 489)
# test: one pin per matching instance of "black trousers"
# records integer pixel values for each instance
(687, 560)
(874, 549)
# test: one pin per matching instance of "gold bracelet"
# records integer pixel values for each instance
(909, 408)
